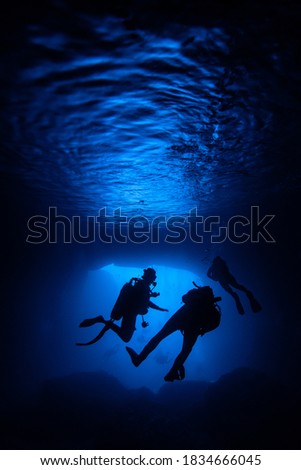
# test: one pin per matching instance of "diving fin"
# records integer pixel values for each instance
(97, 338)
(91, 321)
(239, 307)
(178, 374)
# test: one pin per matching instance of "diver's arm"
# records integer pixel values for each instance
(156, 307)
(154, 294)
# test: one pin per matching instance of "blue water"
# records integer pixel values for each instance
(153, 117)
(156, 108)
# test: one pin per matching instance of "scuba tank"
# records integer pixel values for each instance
(131, 300)
(125, 300)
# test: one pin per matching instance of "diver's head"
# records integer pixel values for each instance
(149, 275)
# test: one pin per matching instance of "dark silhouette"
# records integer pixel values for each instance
(197, 316)
(133, 300)
(219, 272)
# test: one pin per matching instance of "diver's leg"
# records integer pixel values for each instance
(225, 285)
(235, 296)
(255, 305)
(233, 282)
(124, 333)
(189, 341)
(169, 328)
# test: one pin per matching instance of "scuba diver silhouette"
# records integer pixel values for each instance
(219, 272)
(199, 315)
(133, 300)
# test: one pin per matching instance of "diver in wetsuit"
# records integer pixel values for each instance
(219, 272)
(133, 300)
(198, 316)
